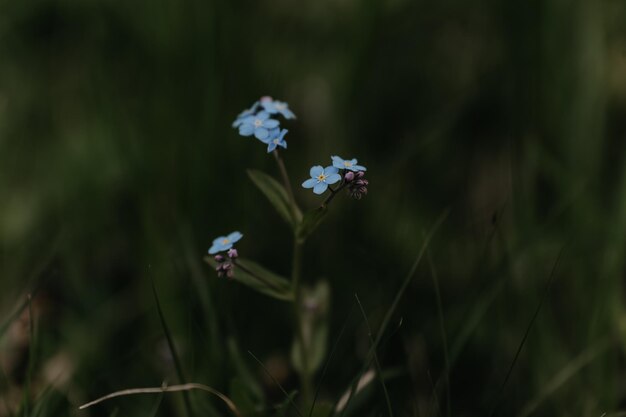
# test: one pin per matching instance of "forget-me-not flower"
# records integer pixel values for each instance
(349, 164)
(258, 125)
(274, 106)
(321, 178)
(248, 112)
(224, 243)
(276, 138)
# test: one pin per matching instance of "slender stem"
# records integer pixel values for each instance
(305, 375)
(173, 388)
(283, 173)
(333, 193)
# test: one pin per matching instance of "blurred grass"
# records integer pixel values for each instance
(118, 165)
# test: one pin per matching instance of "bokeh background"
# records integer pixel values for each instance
(118, 166)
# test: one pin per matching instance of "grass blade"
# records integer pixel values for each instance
(172, 388)
(330, 356)
(287, 396)
(170, 343)
(394, 305)
(379, 371)
(526, 333)
(442, 330)
(565, 375)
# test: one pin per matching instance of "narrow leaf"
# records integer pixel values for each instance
(259, 279)
(277, 195)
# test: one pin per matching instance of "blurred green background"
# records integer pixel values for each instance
(118, 166)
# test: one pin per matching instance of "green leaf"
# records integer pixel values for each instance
(259, 279)
(277, 195)
(314, 324)
(310, 221)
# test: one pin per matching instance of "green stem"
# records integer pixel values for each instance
(305, 374)
(285, 176)
(333, 193)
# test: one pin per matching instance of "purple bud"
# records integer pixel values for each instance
(232, 253)
(349, 176)
(219, 258)
(358, 187)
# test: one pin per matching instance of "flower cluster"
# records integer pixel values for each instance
(347, 171)
(225, 264)
(257, 121)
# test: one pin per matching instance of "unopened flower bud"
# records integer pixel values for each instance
(232, 253)
(349, 176)
(358, 188)
(219, 258)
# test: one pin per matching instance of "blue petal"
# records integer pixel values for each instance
(288, 114)
(214, 249)
(235, 236)
(320, 187)
(271, 146)
(246, 130)
(330, 170)
(316, 171)
(218, 240)
(271, 123)
(283, 133)
(310, 183)
(358, 168)
(336, 158)
(333, 178)
(263, 115)
(261, 133)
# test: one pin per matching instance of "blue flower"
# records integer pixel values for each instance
(276, 138)
(349, 164)
(321, 178)
(258, 125)
(223, 243)
(272, 107)
(248, 112)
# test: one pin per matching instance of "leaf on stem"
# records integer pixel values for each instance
(277, 195)
(259, 279)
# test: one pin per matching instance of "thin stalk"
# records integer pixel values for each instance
(305, 375)
(333, 193)
(172, 388)
(172, 347)
(267, 371)
(376, 362)
(285, 176)
(442, 330)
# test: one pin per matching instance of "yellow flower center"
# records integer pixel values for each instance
(321, 177)
(347, 163)
(258, 123)
(225, 241)
(276, 141)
